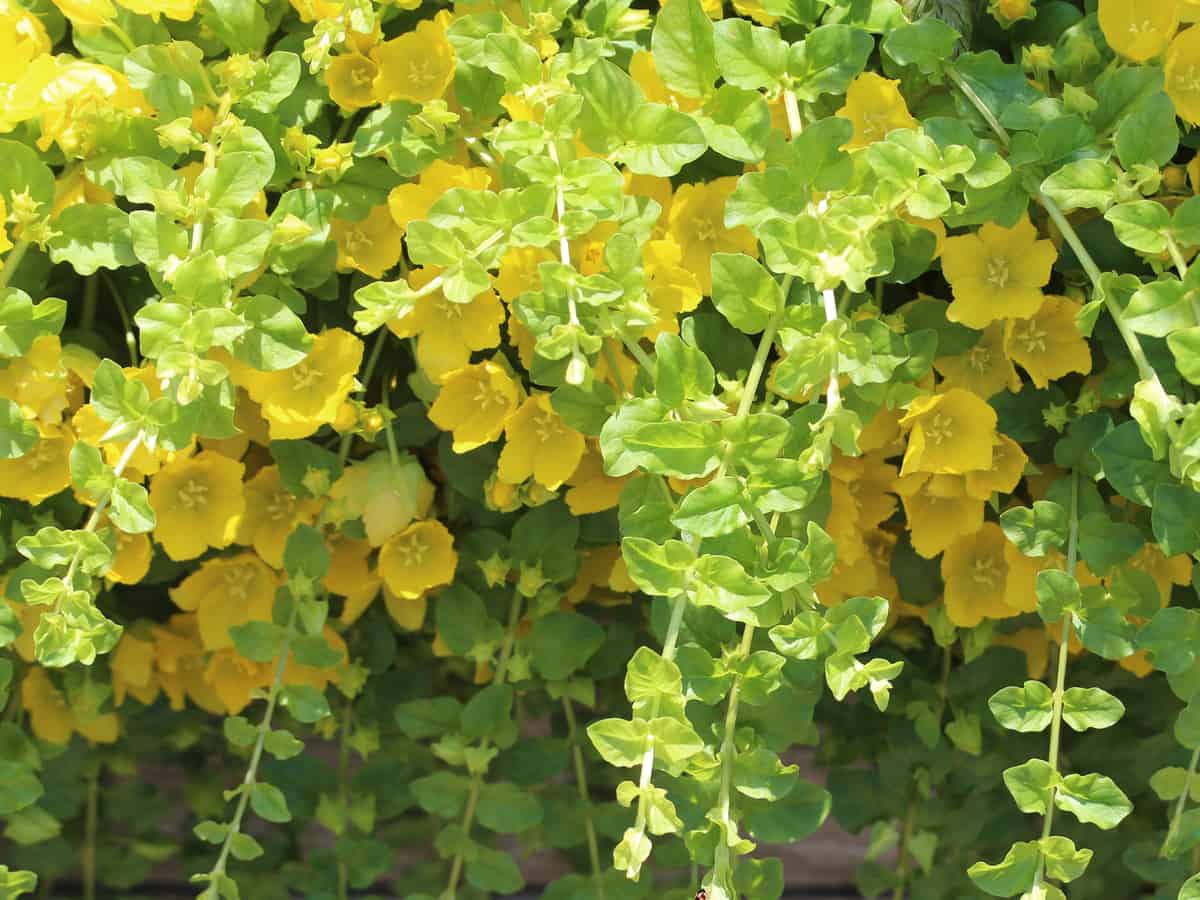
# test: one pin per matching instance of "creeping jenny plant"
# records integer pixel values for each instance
(438, 434)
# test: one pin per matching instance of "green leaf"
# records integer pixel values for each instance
(563, 642)
(1104, 543)
(130, 508)
(1036, 531)
(239, 731)
(721, 582)
(760, 774)
(1012, 875)
(1063, 861)
(19, 787)
(244, 166)
(1187, 726)
(650, 680)
(15, 882)
(18, 435)
(50, 547)
(1148, 135)
(1058, 593)
(684, 49)
(305, 555)
(1141, 225)
(92, 236)
(258, 641)
(1094, 799)
(241, 25)
(488, 711)
(1083, 184)
(1026, 708)
(269, 803)
(827, 60)
(1171, 639)
(1030, 784)
(1129, 464)
(1189, 891)
(443, 793)
(682, 371)
(507, 809)
(926, 43)
(1085, 708)
(1160, 308)
(737, 123)
(494, 871)
(244, 848)
(749, 56)
(1185, 348)
(305, 703)
(713, 509)
(744, 292)
(659, 140)
(24, 172)
(620, 742)
(22, 321)
(282, 744)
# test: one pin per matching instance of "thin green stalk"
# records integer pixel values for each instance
(93, 521)
(1180, 804)
(581, 782)
(639, 354)
(90, 831)
(728, 757)
(264, 728)
(1060, 683)
(833, 393)
(15, 255)
(130, 334)
(393, 451)
(1181, 265)
(365, 381)
(614, 368)
(906, 834)
(506, 648)
(343, 874)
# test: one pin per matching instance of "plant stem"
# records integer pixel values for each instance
(721, 862)
(1060, 684)
(87, 318)
(906, 833)
(1181, 804)
(343, 874)
(93, 521)
(639, 354)
(130, 336)
(264, 728)
(977, 102)
(365, 381)
(506, 648)
(833, 393)
(581, 783)
(91, 828)
(15, 255)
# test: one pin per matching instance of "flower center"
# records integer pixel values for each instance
(358, 242)
(411, 552)
(939, 429)
(545, 426)
(237, 582)
(978, 358)
(705, 231)
(985, 572)
(485, 396)
(873, 125)
(193, 495)
(449, 311)
(997, 272)
(1030, 337)
(304, 376)
(360, 76)
(41, 456)
(421, 73)
(279, 507)
(1188, 80)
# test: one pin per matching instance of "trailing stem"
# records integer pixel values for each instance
(1060, 684)
(581, 782)
(506, 648)
(91, 828)
(264, 728)
(15, 255)
(343, 874)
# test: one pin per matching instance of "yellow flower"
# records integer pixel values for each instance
(227, 591)
(420, 557)
(407, 612)
(1032, 642)
(1008, 465)
(697, 225)
(985, 369)
(1136, 30)
(351, 81)
(132, 560)
(672, 288)
(997, 273)
(876, 107)
(1048, 345)
(38, 381)
(418, 66)
(755, 10)
(411, 201)
(298, 401)
(372, 246)
(133, 669)
(539, 444)
(938, 511)
(198, 501)
(587, 251)
(350, 576)
(54, 721)
(868, 479)
(42, 472)
(298, 673)
(180, 659)
(474, 403)
(76, 99)
(643, 70)
(449, 332)
(23, 39)
(951, 433)
(1008, 12)
(589, 489)
(519, 270)
(655, 188)
(974, 570)
(87, 12)
(272, 513)
(1166, 571)
(234, 679)
(601, 578)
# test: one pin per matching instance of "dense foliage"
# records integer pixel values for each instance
(432, 435)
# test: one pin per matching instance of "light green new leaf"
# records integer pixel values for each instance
(1012, 875)
(1028, 708)
(749, 56)
(92, 236)
(1085, 708)
(1030, 784)
(1093, 798)
(684, 48)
